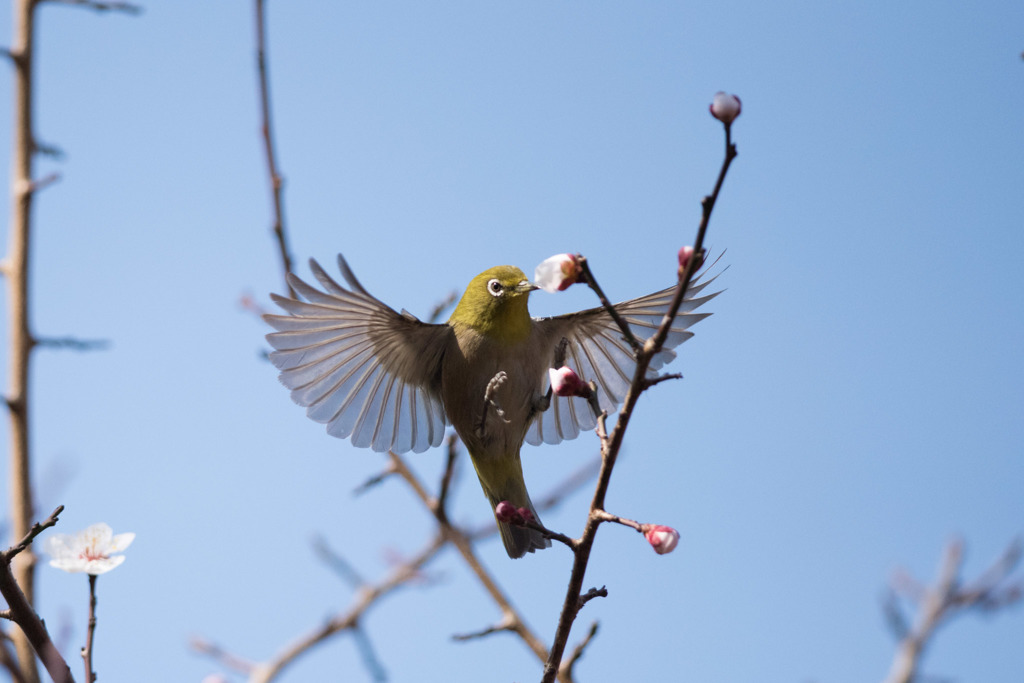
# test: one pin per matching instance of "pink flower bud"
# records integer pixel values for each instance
(557, 273)
(663, 539)
(507, 512)
(685, 254)
(725, 107)
(565, 382)
(525, 514)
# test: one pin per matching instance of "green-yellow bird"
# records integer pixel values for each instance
(388, 381)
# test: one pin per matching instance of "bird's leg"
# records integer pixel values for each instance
(542, 403)
(492, 388)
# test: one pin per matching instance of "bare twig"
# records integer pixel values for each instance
(126, 7)
(588, 277)
(342, 567)
(276, 181)
(73, 343)
(441, 306)
(369, 657)
(937, 604)
(446, 478)
(611, 444)
(22, 613)
(507, 623)
(373, 481)
(90, 675)
(577, 653)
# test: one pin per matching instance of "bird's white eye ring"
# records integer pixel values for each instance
(494, 287)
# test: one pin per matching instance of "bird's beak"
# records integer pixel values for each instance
(525, 287)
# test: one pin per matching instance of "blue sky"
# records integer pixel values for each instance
(855, 401)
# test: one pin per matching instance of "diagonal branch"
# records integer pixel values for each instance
(611, 444)
(276, 181)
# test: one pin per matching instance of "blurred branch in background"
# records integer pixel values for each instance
(948, 597)
(408, 572)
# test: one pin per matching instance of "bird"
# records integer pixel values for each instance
(387, 381)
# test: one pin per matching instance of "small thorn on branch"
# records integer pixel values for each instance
(601, 592)
(650, 382)
(73, 343)
(95, 5)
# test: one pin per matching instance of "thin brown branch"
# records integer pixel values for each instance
(507, 623)
(276, 181)
(446, 477)
(588, 277)
(90, 633)
(577, 652)
(611, 444)
(24, 615)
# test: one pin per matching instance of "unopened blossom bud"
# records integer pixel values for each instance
(525, 514)
(557, 272)
(507, 512)
(685, 254)
(663, 539)
(565, 382)
(725, 107)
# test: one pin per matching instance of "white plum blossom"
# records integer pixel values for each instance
(556, 273)
(92, 550)
(725, 107)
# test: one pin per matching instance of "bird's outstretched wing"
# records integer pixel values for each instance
(598, 351)
(358, 366)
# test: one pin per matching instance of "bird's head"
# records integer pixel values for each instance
(495, 304)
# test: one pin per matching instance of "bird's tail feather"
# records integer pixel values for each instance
(506, 483)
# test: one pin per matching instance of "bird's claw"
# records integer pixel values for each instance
(493, 385)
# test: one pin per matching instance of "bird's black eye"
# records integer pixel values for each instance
(494, 287)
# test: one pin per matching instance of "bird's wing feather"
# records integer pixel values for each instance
(356, 365)
(598, 351)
